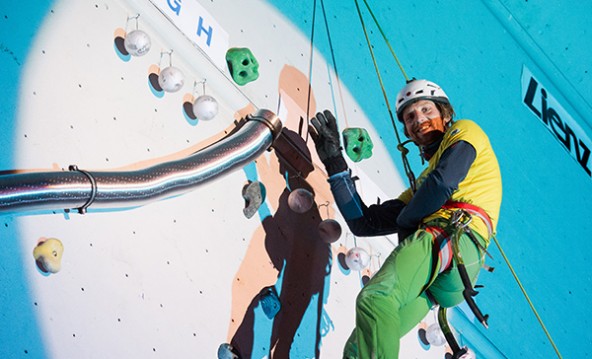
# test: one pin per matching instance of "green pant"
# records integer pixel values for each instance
(392, 303)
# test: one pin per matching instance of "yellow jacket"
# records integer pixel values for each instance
(482, 187)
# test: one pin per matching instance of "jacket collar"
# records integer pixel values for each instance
(428, 151)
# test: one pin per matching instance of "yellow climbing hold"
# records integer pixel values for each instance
(48, 255)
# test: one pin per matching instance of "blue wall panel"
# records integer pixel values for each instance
(477, 52)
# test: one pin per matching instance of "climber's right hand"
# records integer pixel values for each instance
(324, 133)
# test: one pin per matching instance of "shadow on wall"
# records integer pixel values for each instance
(302, 260)
(18, 303)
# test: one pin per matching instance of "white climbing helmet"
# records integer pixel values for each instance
(416, 90)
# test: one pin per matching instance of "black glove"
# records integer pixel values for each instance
(324, 133)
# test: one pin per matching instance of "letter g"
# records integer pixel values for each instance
(175, 6)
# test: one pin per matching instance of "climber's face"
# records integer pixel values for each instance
(423, 122)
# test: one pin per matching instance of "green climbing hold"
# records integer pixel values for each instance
(243, 66)
(358, 144)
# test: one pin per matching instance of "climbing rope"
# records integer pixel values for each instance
(387, 41)
(401, 145)
(388, 105)
(530, 303)
(337, 78)
(310, 63)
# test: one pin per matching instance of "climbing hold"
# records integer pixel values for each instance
(205, 107)
(243, 66)
(171, 79)
(48, 255)
(226, 351)
(137, 43)
(329, 230)
(270, 302)
(434, 335)
(421, 335)
(357, 258)
(341, 252)
(366, 275)
(300, 200)
(254, 195)
(358, 144)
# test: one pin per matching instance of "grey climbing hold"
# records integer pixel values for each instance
(254, 195)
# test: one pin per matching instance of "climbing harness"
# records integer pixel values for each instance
(446, 246)
(472, 210)
(447, 234)
(460, 222)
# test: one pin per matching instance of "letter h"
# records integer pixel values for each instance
(200, 27)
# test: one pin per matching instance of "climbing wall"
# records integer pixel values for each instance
(180, 276)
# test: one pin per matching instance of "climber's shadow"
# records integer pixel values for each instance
(302, 259)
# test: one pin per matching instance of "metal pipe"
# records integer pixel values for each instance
(121, 189)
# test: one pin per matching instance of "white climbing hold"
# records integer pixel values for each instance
(357, 259)
(435, 336)
(205, 107)
(171, 79)
(137, 43)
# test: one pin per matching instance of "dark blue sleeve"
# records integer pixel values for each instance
(439, 185)
(362, 220)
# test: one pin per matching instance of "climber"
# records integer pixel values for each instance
(462, 174)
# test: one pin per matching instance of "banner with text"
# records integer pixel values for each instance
(199, 26)
(557, 120)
